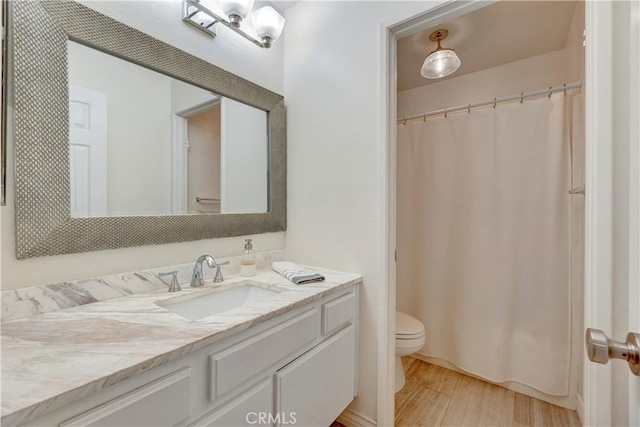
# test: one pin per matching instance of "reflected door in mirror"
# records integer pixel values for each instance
(87, 152)
(143, 143)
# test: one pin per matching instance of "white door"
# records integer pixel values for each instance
(612, 276)
(244, 158)
(88, 152)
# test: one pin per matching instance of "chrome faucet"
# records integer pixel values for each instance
(197, 279)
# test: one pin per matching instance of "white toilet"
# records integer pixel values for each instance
(409, 339)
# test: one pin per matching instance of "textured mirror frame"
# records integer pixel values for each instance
(40, 30)
(3, 106)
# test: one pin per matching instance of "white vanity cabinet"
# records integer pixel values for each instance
(295, 369)
(251, 407)
(312, 388)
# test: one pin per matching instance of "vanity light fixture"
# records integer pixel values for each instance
(442, 61)
(236, 10)
(268, 24)
(204, 15)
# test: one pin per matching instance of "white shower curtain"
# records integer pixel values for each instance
(483, 240)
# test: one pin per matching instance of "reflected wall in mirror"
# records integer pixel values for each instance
(163, 210)
(143, 143)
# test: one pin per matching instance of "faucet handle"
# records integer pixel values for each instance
(218, 277)
(175, 286)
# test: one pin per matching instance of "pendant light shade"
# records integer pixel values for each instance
(268, 24)
(236, 10)
(441, 62)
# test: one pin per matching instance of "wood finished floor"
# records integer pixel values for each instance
(435, 396)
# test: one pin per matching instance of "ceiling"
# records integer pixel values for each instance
(283, 5)
(504, 32)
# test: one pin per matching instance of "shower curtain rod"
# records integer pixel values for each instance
(493, 102)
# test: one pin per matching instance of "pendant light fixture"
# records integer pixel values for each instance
(442, 61)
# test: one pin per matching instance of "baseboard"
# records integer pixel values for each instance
(580, 409)
(351, 418)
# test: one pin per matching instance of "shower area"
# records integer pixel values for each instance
(490, 198)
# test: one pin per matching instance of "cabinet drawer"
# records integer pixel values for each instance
(338, 313)
(240, 363)
(315, 388)
(163, 402)
(252, 408)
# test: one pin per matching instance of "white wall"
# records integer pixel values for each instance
(162, 20)
(332, 89)
(138, 129)
(244, 158)
(185, 96)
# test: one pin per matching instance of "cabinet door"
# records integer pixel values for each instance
(315, 388)
(166, 402)
(251, 408)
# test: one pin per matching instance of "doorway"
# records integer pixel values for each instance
(598, 30)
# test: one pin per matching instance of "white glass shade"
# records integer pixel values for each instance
(236, 7)
(267, 22)
(440, 64)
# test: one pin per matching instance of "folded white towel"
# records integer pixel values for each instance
(296, 274)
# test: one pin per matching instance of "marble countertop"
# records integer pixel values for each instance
(52, 359)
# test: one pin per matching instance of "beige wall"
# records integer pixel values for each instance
(550, 69)
(204, 160)
(161, 19)
(538, 72)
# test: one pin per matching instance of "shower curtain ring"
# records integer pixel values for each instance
(404, 121)
(424, 118)
(521, 97)
(565, 88)
(550, 91)
(469, 109)
(445, 113)
(495, 101)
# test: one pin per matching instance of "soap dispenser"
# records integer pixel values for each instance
(248, 260)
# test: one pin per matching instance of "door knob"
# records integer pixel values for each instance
(600, 349)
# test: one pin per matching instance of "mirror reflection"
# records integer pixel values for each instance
(143, 143)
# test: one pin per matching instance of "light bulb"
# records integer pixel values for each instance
(236, 10)
(268, 24)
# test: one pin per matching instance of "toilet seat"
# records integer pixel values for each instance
(412, 342)
(408, 327)
(409, 331)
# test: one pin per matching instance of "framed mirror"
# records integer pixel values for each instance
(123, 140)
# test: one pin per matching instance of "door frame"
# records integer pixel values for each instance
(421, 17)
(179, 158)
(634, 201)
(596, 405)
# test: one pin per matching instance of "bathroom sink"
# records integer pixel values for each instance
(201, 306)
